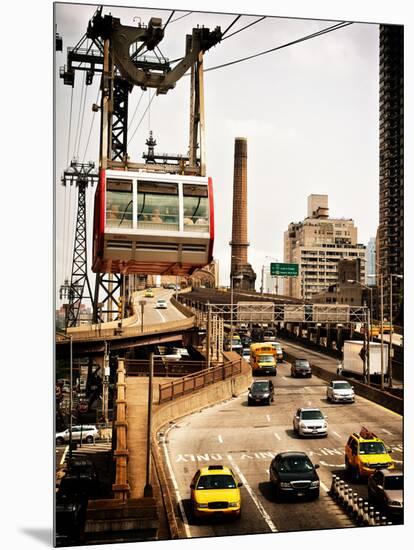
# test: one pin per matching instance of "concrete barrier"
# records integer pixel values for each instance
(356, 507)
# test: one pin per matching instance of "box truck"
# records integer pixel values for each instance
(353, 362)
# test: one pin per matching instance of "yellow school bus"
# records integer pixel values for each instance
(263, 359)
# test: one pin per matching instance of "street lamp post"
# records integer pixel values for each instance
(382, 328)
(142, 304)
(391, 350)
(70, 397)
(148, 487)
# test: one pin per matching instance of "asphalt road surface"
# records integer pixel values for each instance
(153, 315)
(247, 438)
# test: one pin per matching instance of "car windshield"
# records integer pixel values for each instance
(311, 415)
(266, 359)
(261, 386)
(295, 464)
(394, 483)
(341, 386)
(216, 482)
(302, 363)
(372, 448)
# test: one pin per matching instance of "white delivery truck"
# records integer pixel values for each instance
(353, 362)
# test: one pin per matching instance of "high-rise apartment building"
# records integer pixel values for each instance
(317, 244)
(390, 253)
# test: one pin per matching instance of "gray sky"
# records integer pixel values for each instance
(309, 112)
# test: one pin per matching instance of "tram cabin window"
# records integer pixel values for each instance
(158, 206)
(196, 215)
(118, 203)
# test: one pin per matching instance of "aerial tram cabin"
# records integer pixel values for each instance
(149, 222)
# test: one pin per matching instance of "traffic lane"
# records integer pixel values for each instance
(153, 315)
(220, 431)
(325, 361)
(182, 468)
(249, 455)
(343, 419)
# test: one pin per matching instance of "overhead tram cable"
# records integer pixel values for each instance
(142, 117)
(230, 26)
(91, 127)
(335, 27)
(245, 27)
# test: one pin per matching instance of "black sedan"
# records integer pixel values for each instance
(294, 475)
(301, 367)
(261, 391)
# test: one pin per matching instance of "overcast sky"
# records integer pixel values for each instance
(309, 113)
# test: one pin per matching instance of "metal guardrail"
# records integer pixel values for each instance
(198, 381)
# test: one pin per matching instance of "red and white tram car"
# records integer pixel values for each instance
(152, 223)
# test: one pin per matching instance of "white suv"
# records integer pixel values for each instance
(89, 434)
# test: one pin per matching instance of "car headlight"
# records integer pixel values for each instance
(202, 505)
(250, 395)
(325, 425)
(284, 484)
(302, 424)
(265, 395)
(234, 504)
(315, 483)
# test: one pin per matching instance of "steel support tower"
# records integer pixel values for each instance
(81, 175)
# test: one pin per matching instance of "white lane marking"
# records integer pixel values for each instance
(386, 431)
(309, 402)
(398, 461)
(331, 465)
(175, 485)
(268, 418)
(161, 315)
(284, 378)
(64, 455)
(259, 506)
(220, 439)
(337, 435)
(324, 487)
(277, 436)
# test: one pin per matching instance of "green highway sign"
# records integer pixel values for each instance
(284, 270)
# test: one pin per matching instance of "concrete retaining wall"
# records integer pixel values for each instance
(215, 393)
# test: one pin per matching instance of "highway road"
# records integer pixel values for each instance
(153, 315)
(247, 438)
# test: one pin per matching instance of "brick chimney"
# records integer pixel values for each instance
(239, 243)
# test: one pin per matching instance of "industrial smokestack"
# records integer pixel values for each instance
(239, 243)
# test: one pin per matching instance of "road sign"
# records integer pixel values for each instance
(284, 270)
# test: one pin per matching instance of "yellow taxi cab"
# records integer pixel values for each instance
(149, 293)
(215, 492)
(365, 453)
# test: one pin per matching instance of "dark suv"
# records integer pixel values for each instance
(293, 474)
(261, 391)
(301, 367)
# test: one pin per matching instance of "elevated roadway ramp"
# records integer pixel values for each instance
(158, 326)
